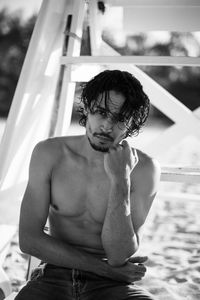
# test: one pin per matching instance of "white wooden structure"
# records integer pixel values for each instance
(53, 65)
(6, 234)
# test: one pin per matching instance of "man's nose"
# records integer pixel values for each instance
(107, 125)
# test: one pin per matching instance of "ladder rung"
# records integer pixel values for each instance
(137, 60)
(181, 177)
(181, 169)
(180, 196)
(153, 3)
(181, 174)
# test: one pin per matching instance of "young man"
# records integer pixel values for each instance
(96, 192)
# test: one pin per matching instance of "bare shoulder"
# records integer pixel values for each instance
(52, 150)
(48, 148)
(147, 163)
(147, 172)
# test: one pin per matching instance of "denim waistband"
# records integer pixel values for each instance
(48, 269)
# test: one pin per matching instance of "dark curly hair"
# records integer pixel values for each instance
(135, 109)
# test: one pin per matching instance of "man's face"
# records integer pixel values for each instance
(102, 128)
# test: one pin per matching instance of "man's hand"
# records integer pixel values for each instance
(132, 271)
(120, 161)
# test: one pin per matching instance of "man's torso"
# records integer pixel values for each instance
(79, 196)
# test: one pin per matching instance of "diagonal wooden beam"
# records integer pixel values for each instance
(136, 60)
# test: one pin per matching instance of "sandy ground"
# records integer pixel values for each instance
(171, 238)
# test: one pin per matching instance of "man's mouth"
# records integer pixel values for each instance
(103, 137)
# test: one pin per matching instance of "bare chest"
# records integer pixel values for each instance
(79, 191)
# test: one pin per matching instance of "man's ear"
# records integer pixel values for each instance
(121, 138)
(85, 111)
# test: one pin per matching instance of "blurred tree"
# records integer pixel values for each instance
(14, 40)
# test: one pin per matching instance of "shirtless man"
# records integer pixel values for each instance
(96, 192)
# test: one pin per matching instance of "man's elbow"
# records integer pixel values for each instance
(120, 259)
(25, 242)
(117, 262)
(24, 245)
(28, 242)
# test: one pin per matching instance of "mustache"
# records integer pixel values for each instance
(104, 135)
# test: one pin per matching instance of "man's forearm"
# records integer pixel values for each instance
(118, 237)
(54, 251)
(51, 250)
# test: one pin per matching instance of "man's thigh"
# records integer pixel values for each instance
(47, 283)
(106, 289)
(129, 292)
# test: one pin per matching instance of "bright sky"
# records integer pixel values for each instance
(28, 7)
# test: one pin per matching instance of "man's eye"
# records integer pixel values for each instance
(121, 119)
(101, 112)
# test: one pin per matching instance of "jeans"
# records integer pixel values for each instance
(49, 282)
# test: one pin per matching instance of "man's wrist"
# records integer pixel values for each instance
(120, 188)
(120, 181)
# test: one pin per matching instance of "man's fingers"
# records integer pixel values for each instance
(138, 259)
(116, 147)
(125, 144)
(141, 269)
(137, 278)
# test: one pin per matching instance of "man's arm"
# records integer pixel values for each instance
(145, 187)
(126, 211)
(34, 213)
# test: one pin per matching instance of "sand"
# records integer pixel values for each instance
(171, 239)
(172, 242)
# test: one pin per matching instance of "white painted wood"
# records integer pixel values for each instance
(173, 168)
(11, 296)
(66, 105)
(161, 18)
(34, 95)
(158, 15)
(136, 60)
(165, 3)
(181, 174)
(78, 12)
(188, 177)
(168, 139)
(95, 23)
(178, 196)
(68, 88)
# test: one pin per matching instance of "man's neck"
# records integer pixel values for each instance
(93, 157)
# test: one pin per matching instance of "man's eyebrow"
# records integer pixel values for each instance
(104, 109)
(100, 107)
